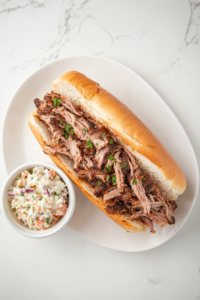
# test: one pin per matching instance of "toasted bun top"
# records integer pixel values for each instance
(153, 158)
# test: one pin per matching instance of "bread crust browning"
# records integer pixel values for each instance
(134, 133)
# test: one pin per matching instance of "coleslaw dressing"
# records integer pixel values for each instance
(39, 198)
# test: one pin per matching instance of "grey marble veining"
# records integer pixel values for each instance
(12, 9)
(192, 34)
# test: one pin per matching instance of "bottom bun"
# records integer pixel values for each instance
(43, 136)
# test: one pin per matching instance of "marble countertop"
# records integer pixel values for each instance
(158, 39)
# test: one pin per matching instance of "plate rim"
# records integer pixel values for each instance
(151, 89)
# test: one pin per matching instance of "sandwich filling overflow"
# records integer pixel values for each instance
(110, 169)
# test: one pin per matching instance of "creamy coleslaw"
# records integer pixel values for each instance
(39, 198)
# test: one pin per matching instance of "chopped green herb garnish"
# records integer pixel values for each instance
(107, 177)
(61, 120)
(110, 157)
(134, 182)
(67, 127)
(124, 165)
(111, 141)
(41, 198)
(108, 168)
(18, 187)
(98, 183)
(16, 214)
(22, 195)
(89, 144)
(104, 135)
(84, 129)
(48, 221)
(32, 196)
(66, 135)
(56, 101)
(114, 180)
(31, 177)
(56, 194)
(143, 179)
(28, 207)
(97, 144)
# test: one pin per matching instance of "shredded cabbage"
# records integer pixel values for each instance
(39, 198)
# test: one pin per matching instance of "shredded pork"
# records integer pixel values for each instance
(110, 169)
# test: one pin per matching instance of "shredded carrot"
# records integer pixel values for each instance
(53, 173)
(39, 223)
(39, 209)
(19, 215)
(21, 183)
(25, 175)
(56, 218)
(49, 203)
(63, 209)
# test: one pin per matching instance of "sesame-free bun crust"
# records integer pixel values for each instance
(103, 106)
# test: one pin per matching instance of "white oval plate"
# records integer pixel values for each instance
(20, 146)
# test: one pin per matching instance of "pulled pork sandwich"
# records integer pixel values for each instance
(111, 156)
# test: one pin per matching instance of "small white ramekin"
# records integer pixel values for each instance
(19, 225)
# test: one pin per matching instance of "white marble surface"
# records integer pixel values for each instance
(160, 40)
